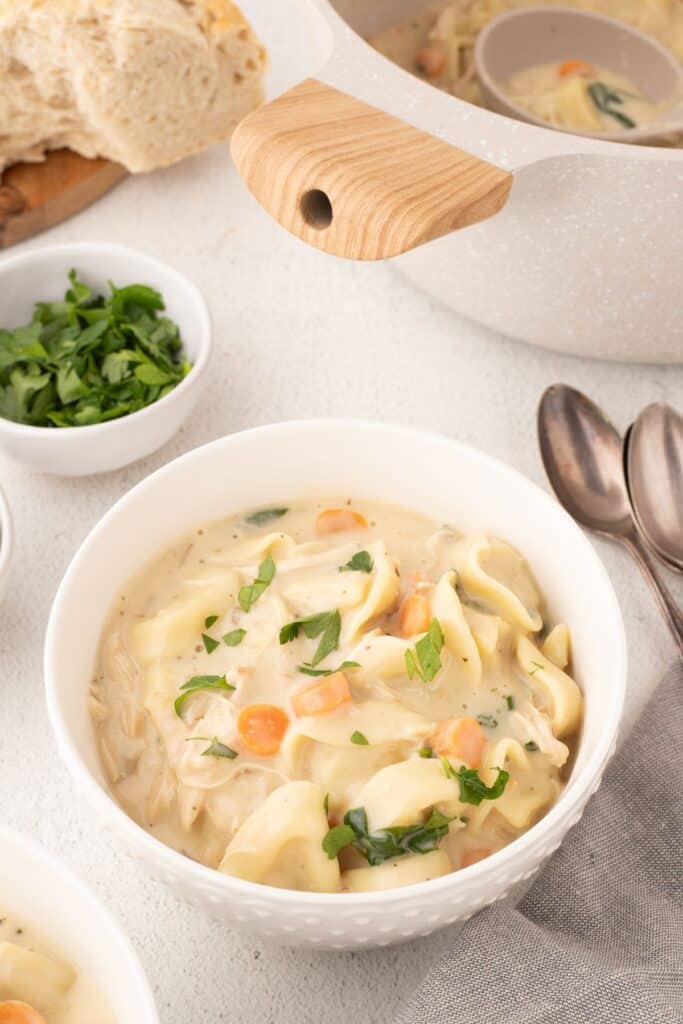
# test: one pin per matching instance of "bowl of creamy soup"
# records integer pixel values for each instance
(63, 958)
(329, 702)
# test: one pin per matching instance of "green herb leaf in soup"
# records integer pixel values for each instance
(473, 789)
(89, 358)
(249, 594)
(359, 739)
(210, 644)
(234, 638)
(385, 843)
(198, 683)
(308, 670)
(425, 662)
(218, 749)
(361, 562)
(326, 625)
(265, 515)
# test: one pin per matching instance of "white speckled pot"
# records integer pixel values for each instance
(310, 459)
(585, 257)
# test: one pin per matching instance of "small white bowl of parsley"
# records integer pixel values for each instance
(103, 355)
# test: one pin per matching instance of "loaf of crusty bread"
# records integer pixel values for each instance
(143, 82)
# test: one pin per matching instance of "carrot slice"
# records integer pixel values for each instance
(327, 695)
(262, 727)
(336, 520)
(431, 60)
(461, 738)
(473, 857)
(15, 1012)
(415, 615)
(575, 67)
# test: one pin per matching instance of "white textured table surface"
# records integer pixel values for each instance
(296, 334)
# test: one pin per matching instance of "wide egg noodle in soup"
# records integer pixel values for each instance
(437, 43)
(335, 696)
(38, 986)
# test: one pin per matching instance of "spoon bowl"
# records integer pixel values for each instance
(582, 455)
(529, 36)
(654, 469)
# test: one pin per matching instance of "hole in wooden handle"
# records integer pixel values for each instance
(316, 208)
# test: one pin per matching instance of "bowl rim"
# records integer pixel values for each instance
(116, 939)
(567, 808)
(196, 372)
(6, 535)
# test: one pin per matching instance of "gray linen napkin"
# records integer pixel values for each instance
(598, 939)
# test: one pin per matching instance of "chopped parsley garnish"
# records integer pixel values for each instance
(249, 594)
(530, 745)
(307, 670)
(359, 739)
(510, 701)
(234, 638)
(537, 667)
(472, 788)
(426, 752)
(326, 625)
(215, 748)
(326, 805)
(425, 662)
(265, 515)
(210, 644)
(361, 562)
(488, 720)
(385, 843)
(89, 358)
(198, 683)
(210, 621)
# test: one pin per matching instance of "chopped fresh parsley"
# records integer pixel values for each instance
(326, 625)
(234, 638)
(326, 805)
(531, 746)
(249, 594)
(359, 739)
(426, 752)
(538, 667)
(307, 670)
(210, 644)
(385, 843)
(215, 748)
(265, 515)
(425, 662)
(361, 562)
(210, 621)
(510, 701)
(89, 358)
(198, 683)
(472, 788)
(488, 720)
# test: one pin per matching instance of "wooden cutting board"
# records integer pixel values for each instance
(34, 197)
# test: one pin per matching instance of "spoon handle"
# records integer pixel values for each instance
(672, 612)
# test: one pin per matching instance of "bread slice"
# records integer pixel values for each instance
(142, 82)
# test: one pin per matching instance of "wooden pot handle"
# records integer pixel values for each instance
(356, 182)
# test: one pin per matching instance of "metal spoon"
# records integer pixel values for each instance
(654, 473)
(529, 36)
(582, 455)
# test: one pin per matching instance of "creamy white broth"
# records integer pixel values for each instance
(582, 97)
(34, 972)
(195, 780)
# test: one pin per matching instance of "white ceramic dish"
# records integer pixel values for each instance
(314, 458)
(6, 543)
(583, 258)
(77, 451)
(39, 890)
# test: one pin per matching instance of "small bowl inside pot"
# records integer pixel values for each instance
(42, 275)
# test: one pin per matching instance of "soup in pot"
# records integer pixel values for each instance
(335, 696)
